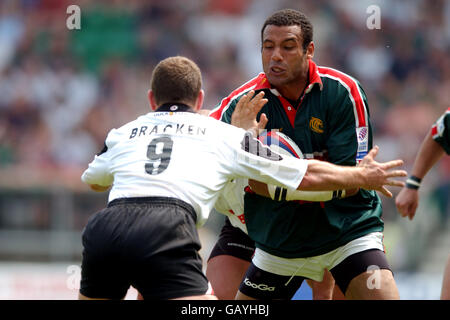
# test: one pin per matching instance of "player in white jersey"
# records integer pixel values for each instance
(166, 170)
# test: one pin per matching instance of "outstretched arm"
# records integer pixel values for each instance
(287, 194)
(244, 115)
(321, 175)
(429, 154)
(370, 175)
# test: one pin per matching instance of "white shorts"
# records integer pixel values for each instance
(313, 267)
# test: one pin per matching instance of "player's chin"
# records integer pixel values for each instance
(278, 79)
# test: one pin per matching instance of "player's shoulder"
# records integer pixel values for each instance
(442, 125)
(214, 128)
(445, 119)
(228, 103)
(337, 83)
(224, 129)
(122, 132)
(337, 75)
(222, 134)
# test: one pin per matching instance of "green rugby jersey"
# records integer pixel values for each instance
(440, 131)
(330, 122)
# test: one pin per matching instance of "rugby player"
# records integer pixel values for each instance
(166, 170)
(325, 112)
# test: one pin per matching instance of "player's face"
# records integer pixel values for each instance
(284, 60)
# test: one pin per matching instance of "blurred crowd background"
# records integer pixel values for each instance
(62, 90)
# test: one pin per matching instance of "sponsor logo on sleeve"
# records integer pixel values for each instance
(362, 134)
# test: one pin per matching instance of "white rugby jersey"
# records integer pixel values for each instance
(187, 156)
(231, 202)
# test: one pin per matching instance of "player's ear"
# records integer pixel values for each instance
(200, 99)
(310, 50)
(151, 99)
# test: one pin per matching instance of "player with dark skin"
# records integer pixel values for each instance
(286, 66)
(286, 62)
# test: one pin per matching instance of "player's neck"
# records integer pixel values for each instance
(175, 107)
(293, 91)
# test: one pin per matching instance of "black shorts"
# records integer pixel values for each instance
(233, 242)
(150, 243)
(261, 284)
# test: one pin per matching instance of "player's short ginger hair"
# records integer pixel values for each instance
(291, 17)
(176, 79)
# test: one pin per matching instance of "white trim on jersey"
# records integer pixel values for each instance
(438, 128)
(360, 110)
(225, 108)
(352, 99)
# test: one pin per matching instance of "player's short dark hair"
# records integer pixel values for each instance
(176, 79)
(291, 17)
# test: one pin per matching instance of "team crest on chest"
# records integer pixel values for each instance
(316, 125)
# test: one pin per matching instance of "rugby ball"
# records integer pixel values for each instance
(280, 143)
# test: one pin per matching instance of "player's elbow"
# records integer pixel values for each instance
(308, 183)
(99, 188)
(259, 188)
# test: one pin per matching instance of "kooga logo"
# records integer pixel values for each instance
(262, 286)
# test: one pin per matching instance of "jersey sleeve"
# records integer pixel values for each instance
(98, 171)
(224, 109)
(249, 158)
(350, 131)
(440, 131)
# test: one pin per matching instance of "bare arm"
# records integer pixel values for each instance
(322, 175)
(270, 191)
(430, 152)
(369, 175)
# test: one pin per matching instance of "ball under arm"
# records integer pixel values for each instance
(283, 194)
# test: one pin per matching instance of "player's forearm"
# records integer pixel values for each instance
(285, 194)
(278, 193)
(429, 154)
(323, 175)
